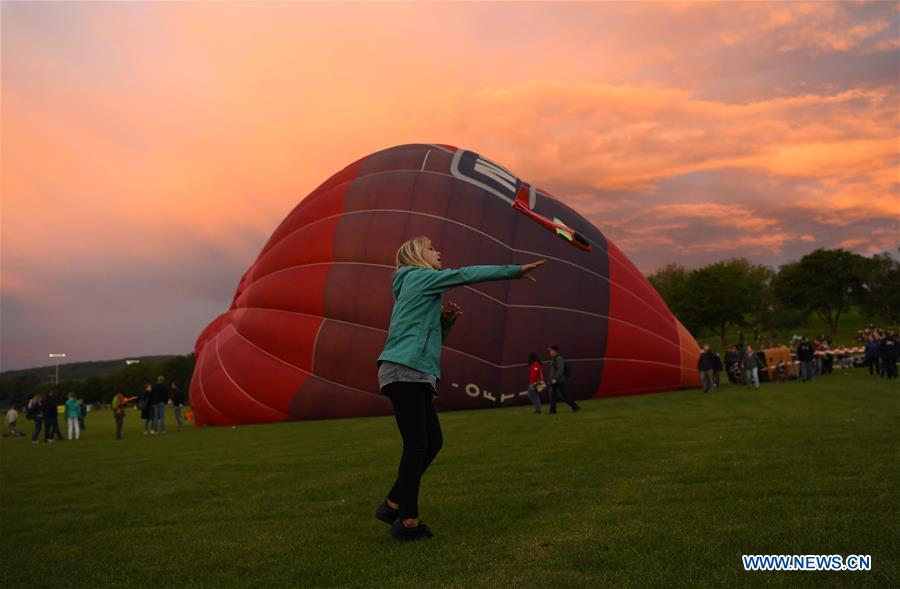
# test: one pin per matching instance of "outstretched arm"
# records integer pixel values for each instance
(434, 282)
(527, 270)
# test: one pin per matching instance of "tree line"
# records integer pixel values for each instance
(825, 283)
(130, 379)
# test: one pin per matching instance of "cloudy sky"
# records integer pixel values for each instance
(149, 149)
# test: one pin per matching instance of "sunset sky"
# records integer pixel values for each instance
(149, 149)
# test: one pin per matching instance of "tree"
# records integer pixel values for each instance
(826, 282)
(724, 294)
(881, 289)
(671, 284)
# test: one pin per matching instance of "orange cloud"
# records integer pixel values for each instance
(132, 130)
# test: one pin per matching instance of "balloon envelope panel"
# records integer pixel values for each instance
(310, 316)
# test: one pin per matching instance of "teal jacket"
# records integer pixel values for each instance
(417, 329)
(73, 408)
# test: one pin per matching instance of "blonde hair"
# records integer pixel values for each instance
(410, 253)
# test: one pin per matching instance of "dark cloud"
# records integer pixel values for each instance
(126, 308)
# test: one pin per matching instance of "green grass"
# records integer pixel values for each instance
(654, 491)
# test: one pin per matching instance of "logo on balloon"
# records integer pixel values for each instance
(483, 173)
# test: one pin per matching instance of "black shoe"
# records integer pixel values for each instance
(576, 409)
(404, 534)
(386, 513)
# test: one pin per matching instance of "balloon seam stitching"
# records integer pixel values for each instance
(203, 392)
(297, 368)
(487, 296)
(530, 253)
(602, 248)
(240, 388)
(448, 348)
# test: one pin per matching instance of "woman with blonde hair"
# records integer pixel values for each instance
(409, 367)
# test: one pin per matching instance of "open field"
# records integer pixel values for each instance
(654, 491)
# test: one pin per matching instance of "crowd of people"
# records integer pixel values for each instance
(44, 410)
(881, 350)
(805, 359)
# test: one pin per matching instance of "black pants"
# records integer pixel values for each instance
(51, 429)
(120, 419)
(558, 391)
(422, 440)
(890, 367)
(38, 422)
(874, 366)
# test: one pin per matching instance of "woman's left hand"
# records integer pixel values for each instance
(451, 311)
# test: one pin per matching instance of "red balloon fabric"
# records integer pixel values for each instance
(310, 316)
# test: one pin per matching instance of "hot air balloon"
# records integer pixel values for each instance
(310, 316)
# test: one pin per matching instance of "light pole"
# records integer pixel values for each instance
(57, 356)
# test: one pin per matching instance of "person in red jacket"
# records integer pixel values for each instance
(536, 382)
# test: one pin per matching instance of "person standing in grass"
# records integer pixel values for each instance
(805, 355)
(51, 418)
(160, 400)
(177, 403)
(535, 381)
(73, 413)
(559, 374)
(873, 356)
(409, 367)
(82, 413)
(751, 368)
(717, 369)
(889, 347)
(705, 366)
(35, 411)
(146, 407)
(119, 403)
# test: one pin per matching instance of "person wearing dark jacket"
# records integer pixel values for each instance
(177, 403)
(160, 397)
(35, 411)
(805, 355)
(51, 418)
(873, 356)
(82, 413)
(751, 365)
(889, 347)
(146, 407)
(733, 364)
(717, 368)
(558, 380)
(706, 364)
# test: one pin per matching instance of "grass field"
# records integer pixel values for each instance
(654, 491)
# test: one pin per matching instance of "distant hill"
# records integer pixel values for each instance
(78, 370)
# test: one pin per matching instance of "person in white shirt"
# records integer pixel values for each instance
(11, 416)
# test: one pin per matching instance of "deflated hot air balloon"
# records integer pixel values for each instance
(310, 316)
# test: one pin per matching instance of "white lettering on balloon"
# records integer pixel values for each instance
(474, 391)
